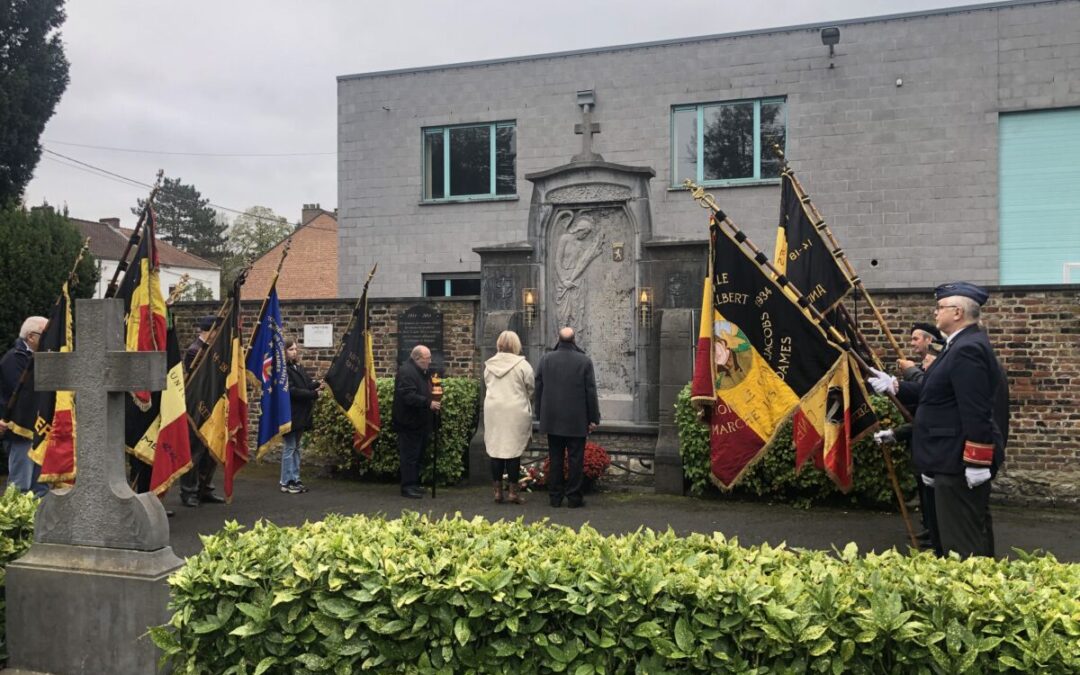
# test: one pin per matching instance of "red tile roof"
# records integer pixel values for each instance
(108, 243)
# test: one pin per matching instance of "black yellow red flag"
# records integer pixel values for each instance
(216, 394)
(759, 355)
(803, 256)
(53, 447)
(351, 378)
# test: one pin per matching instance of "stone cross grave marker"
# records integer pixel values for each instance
(586, 129)
(101, 509)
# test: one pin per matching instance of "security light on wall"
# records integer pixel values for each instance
(830, 36)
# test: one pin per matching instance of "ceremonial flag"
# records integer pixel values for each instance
(266, 367)
(217, 395)
(144, 304)
(351, 378)
(758, 356)
(54, 421)
(831, 422)
(159, 436)
(803, 256)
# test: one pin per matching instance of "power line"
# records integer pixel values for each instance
(115, 177)
(192, 154)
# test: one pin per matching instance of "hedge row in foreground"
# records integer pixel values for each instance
(16, 534)
(453, 596)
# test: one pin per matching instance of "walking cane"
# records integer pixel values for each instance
(436, 395)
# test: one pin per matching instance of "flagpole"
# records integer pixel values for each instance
(121, 266)
(223, 311)
(273, 283)
(363, 296)
(837, 253)
(707, 201)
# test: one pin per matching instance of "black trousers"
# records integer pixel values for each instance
(963, 516)
(511, 468)
(570, 488)
(200, 477)
(410, 451)
(928, 510)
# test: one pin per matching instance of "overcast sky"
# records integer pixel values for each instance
(235, 79)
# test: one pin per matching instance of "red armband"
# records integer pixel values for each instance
(980, 454)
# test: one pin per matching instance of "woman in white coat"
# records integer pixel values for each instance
(508, 379)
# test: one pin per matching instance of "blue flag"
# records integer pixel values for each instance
(266, 366)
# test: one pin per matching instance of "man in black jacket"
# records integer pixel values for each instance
(22, 471)
(414, 417)
(961, 421)
(568, 409)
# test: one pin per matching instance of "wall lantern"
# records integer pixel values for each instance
(528, 301)
(645, 303)
(830, 37)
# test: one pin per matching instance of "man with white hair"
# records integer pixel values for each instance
(961, 421)
(22, 471)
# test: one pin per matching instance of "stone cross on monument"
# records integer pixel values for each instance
(95, 579)
(101, 509)
(587, 101)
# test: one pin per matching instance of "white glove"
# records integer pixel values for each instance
(976, 476)
(927, 480)
(886, 436)
(882, 381)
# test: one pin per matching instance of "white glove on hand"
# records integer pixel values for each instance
(927, 480)
(886, 436)
(882, 381)
(976, 476)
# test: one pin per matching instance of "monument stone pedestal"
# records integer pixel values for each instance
(85, 595)
(87, 609)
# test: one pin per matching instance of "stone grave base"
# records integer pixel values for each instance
(84, 609)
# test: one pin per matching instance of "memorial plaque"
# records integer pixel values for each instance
(421, 325)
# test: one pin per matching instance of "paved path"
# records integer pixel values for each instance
(257, 496)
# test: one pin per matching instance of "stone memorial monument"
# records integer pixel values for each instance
(94, 581)
(589, 258)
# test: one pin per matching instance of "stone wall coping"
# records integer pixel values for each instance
(515, 247)
(673, 243)
(213, 304)
(591, 164)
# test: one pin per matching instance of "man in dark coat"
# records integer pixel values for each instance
(197, 485)
(961, 421)
(414, 417)
(22, 471)
(568, 410)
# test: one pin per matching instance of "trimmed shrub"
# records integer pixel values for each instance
(16, 534)
(454, 596)
(774, 478)
(331, 436)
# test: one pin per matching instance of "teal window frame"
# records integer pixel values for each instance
(699, 177)
(492, 193)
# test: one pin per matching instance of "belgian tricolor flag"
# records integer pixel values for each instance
(54, 424)
(216, 393)
(144, 304)
(351, 378)
(159, 436)
(759, 355)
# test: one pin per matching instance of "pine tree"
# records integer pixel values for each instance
(187, 221)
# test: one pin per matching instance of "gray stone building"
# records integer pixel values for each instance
(938, 145)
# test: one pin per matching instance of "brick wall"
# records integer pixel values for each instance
(311, 268)
(459, 317)
(1036, 333)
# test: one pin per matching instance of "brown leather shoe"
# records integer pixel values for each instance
(515, 497)
(498, 492)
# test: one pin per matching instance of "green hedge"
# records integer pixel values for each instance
(454, 596)
(16, 534)
(331, 438)
(774, 478)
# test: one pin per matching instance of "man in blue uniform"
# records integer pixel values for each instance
(961, 421)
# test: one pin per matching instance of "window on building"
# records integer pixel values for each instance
(446, 285)
(470, 161)
(727, 143)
